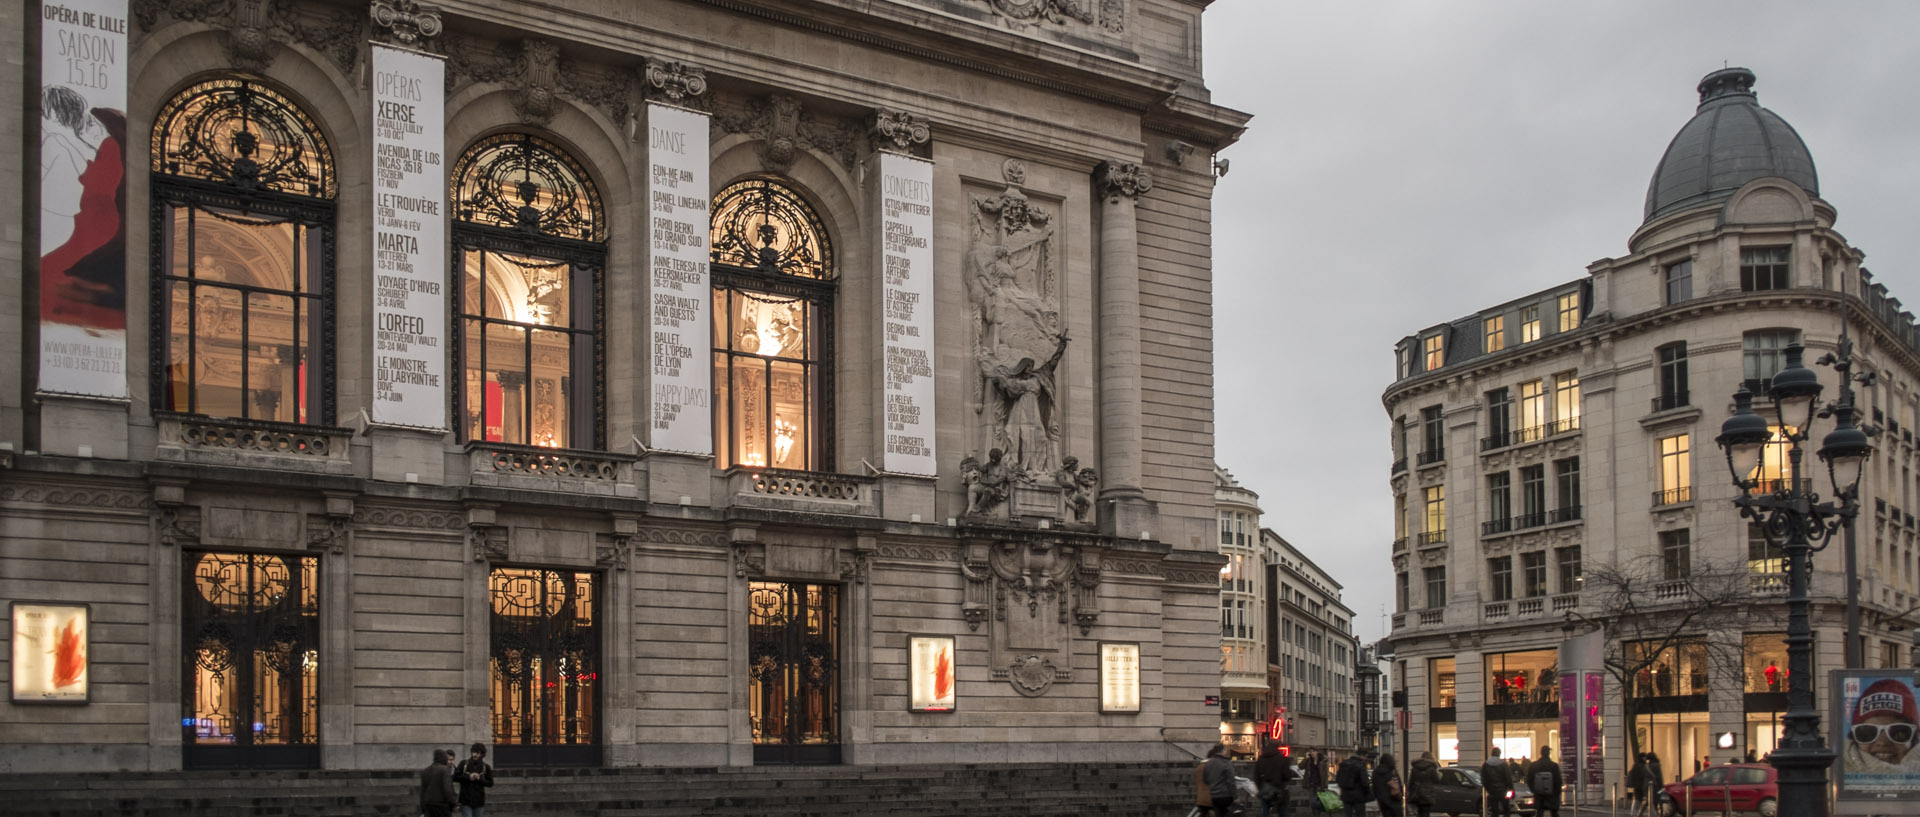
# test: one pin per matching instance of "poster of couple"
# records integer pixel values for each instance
(83, 192)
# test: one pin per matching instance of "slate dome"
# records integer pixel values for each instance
(1730, 141)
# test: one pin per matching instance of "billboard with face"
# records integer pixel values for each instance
(1878, 722)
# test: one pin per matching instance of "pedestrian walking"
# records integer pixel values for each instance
(1422, 778)
(437, 792)
(1387, 787)
(1273, 773)
(474, 777)
(1352, 780)
(1545, 780)
(1213, 782)
(1637, 784)
(1497, 781)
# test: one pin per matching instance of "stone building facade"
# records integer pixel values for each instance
(1245, 697)
(744, 382)
(1310, 639)
(1571, 431)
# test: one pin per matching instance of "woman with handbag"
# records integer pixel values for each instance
(1387, 787)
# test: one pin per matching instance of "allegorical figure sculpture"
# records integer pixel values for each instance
(986, 482)
(1076, 487)
(1016, 323)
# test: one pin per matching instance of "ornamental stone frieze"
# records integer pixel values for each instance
(1432, 476)
(1400, 562)
(784, 128)
(253, 29)
(538, 78)
(1109, 15)
(613, 550)
(1433, 556)
(382, 516)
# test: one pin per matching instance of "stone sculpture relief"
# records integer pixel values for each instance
(1018, 338)
(784, 129)
(1032, 593)
(1110, 14)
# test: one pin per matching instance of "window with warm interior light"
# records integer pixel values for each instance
(1529, 324)
(1496, 332)
(1568, 306)
(774, 285)
(529, 237)
(1676, 470)
(1435, 350)
(242, 256)
(1764, 555)
(1436, 512)
(1533, 412)
(1566, 402)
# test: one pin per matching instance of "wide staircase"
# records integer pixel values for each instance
(1124, 790)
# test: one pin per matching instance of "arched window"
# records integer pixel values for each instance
(529, 248)
(773, 287)
(243, 215)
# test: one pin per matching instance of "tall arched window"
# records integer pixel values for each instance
(773, 287)
(242, 280)
(530, 244)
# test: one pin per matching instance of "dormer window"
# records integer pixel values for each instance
(1436, 352)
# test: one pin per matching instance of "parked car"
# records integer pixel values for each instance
(1459, 793)
(1734, 787)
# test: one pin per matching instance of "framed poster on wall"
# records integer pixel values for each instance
(50, 646)
(930, 665)
(1119, 677)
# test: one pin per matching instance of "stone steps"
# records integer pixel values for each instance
(1125, 790)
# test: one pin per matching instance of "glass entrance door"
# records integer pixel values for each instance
(545, 667)
(793, 659)
(251, 638)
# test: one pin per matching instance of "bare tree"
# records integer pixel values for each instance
(1652, 612)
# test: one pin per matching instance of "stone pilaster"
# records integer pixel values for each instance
(1124, 508)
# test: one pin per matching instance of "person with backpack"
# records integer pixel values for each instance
(1544, 778)
(1387, 787)
(474, 777)
(1351, 777)
(1422, 778)
(1272, 773)
(1497, 781)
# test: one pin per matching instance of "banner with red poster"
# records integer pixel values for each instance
(49, 653)
(83, 198)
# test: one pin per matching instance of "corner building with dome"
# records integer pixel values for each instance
(1555, 472)
(682, 383)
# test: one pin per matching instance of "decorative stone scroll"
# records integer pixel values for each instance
(1032, 593)
(898, 130)
(674, 81)
(405, 21)
(254, 27)
(784, 128)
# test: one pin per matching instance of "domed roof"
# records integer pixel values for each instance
(1730, 141)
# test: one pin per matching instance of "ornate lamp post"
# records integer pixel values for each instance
(1787, 510)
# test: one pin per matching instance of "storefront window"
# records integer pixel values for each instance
(1441, 683)
(1523, 693)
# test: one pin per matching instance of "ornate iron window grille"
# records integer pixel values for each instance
(233, 148)
(544, 643)
(251, 632)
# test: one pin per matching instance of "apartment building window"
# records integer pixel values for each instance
(1499, 419)
(1435, 350)
(1496, 332)
(1436, 587)
(1764, 268)
(1764, 555)
(1402, 362)
(1533, 412)
(1433, 429)
(1763, 355)
(1500, 578)
(1569, 309)
(1533, 496)
(1399, 443)
(1399, 519)
(1533, 571)
(1436, 530)
(1676, 470)
(1676, 554)
(1566, 402)
(1673, 377)
(1529, 324)
(1566, 478)
(1499, 503)
(1568, 559)
(1679, 281)
(1402, 590)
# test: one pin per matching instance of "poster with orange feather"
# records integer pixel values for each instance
(50, 645)
(930, 662)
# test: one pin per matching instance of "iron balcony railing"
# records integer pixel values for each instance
(1433, 456)
(1570, 513)
(1673, 496)
(1398, 466)
(1432, 537)
(1669, 402)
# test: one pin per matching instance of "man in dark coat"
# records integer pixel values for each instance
(474, 777)
(1272, 773)
(1354, 789)
(1422, 777)
(1497, 782)
(437, 792)
(1544, 778)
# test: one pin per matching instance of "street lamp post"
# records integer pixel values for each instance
(1787, 510)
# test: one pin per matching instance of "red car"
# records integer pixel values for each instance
(1734, 787)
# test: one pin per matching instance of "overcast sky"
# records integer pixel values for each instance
(1413, 162)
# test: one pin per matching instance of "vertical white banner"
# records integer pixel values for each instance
(83, 224)
(409, 239)
(680, 299)
(906, 314)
